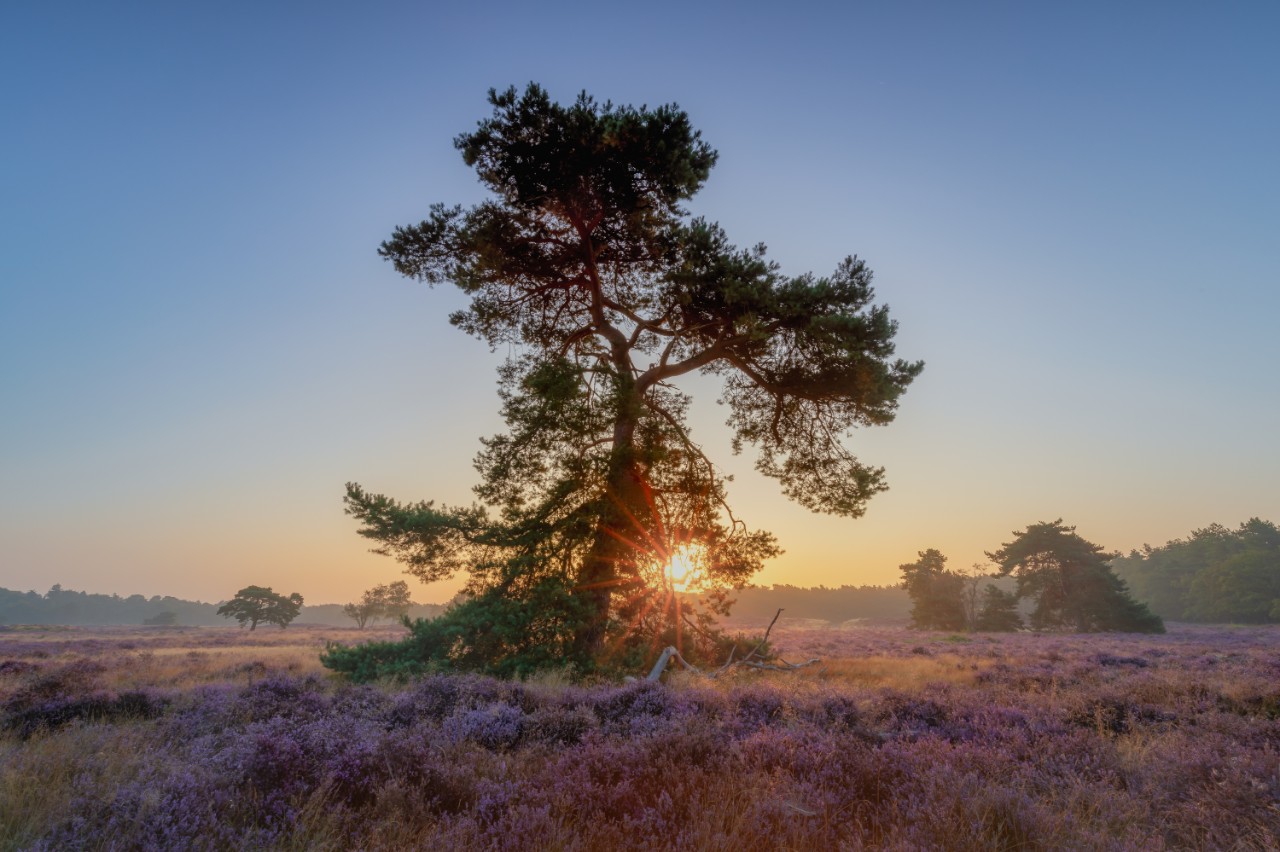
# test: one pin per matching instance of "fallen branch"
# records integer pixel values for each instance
(765, 640)
(670, 652)
(730, 663)
(667, 654)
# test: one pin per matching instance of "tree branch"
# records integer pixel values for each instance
(661, 372)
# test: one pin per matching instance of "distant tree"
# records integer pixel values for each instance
(387, 601)
(1243, 588)
(360, 612)
(1216, 574)
(162, 619)
(254, 604)
(65, 606)
(759, 603)
(1071, 583)
(971, 592)
(998, 612)
(395, 599)
(585, 267)
(937, 594)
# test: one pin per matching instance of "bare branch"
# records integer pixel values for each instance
(766, 636)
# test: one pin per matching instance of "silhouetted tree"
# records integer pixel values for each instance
(1245, 588)
(385, 601)
(971, 598)
(584, 265)
(1071, 582)
(1217, 574)
(254, 604)
(937, 594)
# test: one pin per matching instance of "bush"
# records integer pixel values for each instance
(95, 707)
(496, 635)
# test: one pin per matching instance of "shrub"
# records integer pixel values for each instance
(93, 707)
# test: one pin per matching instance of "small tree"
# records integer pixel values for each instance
(1071, 582)
(388, 601)
(999, 611)
(936, 593)
(162, 619)
(395, 599)
(254, 604)
(360, 612)
(971, 593)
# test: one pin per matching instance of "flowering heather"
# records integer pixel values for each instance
(898, 740)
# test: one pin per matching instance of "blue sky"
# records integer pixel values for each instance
(1072, 210)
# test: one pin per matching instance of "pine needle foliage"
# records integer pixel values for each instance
(1071, 582)
(584, 264)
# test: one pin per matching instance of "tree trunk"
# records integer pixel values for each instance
(625, 519)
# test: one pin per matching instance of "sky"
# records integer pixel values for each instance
(1072, 209)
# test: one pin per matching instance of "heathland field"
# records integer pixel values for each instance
(216, 738)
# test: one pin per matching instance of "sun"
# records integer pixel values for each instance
(662, 601)
(683, 572)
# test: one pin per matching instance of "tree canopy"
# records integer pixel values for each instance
(1071, 582)
(1215, 574)
(255, 604)
(943, 599)
(585, 266)
(935, 592)
(389, 600)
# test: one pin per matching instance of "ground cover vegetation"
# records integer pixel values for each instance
(216, 738)
(585, 266)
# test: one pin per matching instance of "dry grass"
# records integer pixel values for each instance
(41, 775)
(136, 657)
(909, 673)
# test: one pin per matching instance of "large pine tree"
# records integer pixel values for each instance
(584, 264)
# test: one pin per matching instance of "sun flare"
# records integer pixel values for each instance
(682, 571)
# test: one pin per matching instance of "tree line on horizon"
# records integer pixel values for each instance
(76, 608)
(834, 605)
(82, 609)
(1066, 580)
(1215, 575)
(1062, 581)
